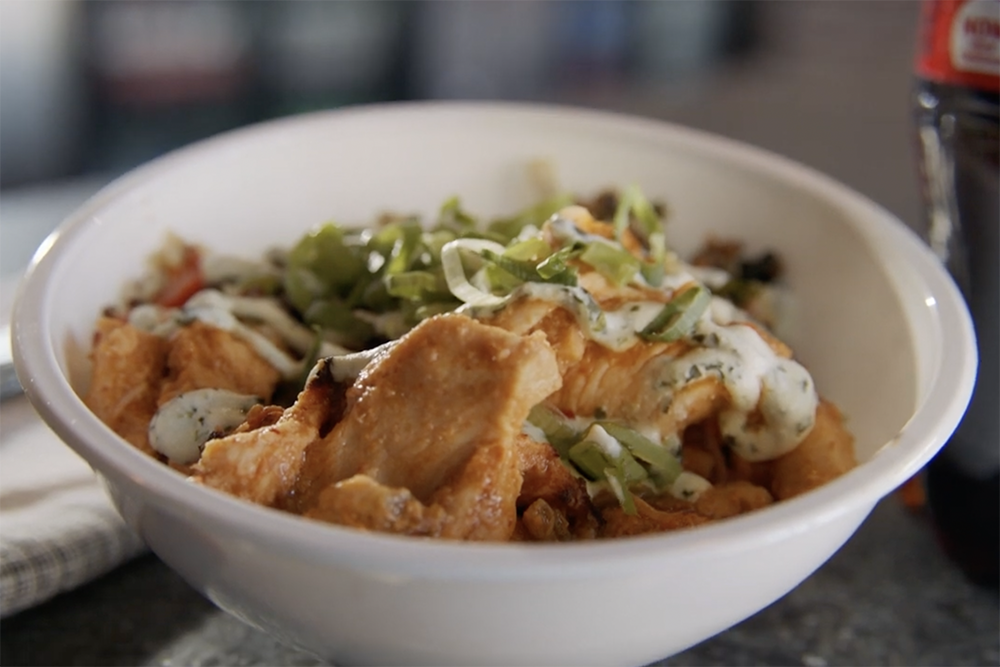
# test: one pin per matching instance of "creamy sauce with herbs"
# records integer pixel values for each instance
(182, 425)
(615, 329)
(224, 311)
(754, 376)
(611, 447)
(689, 486)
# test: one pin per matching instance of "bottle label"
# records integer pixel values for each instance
(960, 43)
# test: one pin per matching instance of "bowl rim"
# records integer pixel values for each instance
(935, 417)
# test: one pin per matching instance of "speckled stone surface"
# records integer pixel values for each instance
(888, 597)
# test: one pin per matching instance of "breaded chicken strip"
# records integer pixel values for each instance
(439, 416)
(261, 465)
(825, 454)
(204, 356)
(128, 366)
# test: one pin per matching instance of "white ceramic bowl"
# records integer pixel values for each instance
(879, 323)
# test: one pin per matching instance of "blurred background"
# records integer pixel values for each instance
(91, 89)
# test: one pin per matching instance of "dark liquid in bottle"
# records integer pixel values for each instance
(959, 146)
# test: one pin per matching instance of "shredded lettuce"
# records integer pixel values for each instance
(359, 286)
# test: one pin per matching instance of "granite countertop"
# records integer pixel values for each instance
(888, 597)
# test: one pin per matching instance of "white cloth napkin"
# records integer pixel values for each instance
(58, 528)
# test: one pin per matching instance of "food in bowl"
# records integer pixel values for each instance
(889, 340)
(558, 375)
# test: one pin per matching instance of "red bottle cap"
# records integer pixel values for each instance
(960, 43)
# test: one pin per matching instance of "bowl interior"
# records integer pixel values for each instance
(253, 189)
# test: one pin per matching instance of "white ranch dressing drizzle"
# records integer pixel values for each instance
(182, 425)
(754, 376)
(563, 228)
(689, 486)
(597, 435)
(223, 311)
(615, 329)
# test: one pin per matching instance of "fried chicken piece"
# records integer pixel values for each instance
(731, 498)
(597, 379)
(648, 519)
(706, 454)
(361, 502)
(564, 335)
(549, 481)
(438, 415)
(259, 417)
(542, 523)
(204, 356)
(128, 366)
(261, 465)
(825, 454)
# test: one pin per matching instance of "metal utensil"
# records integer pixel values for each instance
(9, 384)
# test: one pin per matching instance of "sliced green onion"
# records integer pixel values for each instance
(557, 430)
(653, 273)
(556, 263)
(661, 460)
(654, 270)
(454, 271)
(533, 249)
(498, 281)
(657, 247)
(614, 263)
(633, 203)
(453, 217)
(523, 270)
(435, 240)
(619, 470)
(618, 481)
(740, 291)
(678, 317)
(590, 459)
(599, 451)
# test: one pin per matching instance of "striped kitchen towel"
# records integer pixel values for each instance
(58, 529)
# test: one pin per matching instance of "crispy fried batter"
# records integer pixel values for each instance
(825, 454)
(129, 365)
(361, 502)
(648, 519)
(428, 440)
(415, 419)
(597, 379)
(731, 498)
(543, 523)
(262, 465)
(204, 356)
(260, 416)
(547, 479)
